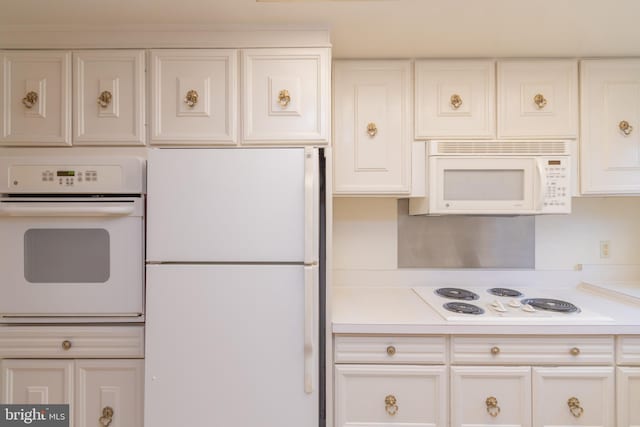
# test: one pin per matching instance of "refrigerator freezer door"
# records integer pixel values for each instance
(226, 205)
(225, 346)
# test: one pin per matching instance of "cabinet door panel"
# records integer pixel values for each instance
(455, 99)
(407, 396)
(36, 381)
(538, 99)
(193, 96)
(285, 95)
(109, 384)
(554, 390)
(610, 133)
(628, 391)
(472, 390)
(109, 97)
(372, 132)
(35, 98)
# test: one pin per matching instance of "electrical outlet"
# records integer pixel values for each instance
(605, 249)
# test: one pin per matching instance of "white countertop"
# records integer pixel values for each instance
(399, 310)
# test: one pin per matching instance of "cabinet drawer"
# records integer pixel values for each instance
(415, 350)
(369, 395)
(532, 350)
(72, 342)
(628, 350)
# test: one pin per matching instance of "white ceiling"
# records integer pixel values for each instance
(387, 28)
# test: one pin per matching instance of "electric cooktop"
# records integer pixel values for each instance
(509, 304)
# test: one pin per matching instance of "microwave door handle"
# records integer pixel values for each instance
(542, 182)
(22, 209)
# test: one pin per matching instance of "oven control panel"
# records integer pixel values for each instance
(65, 179)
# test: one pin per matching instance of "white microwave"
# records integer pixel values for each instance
(496, 178)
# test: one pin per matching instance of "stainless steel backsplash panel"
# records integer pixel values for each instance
(462, 241)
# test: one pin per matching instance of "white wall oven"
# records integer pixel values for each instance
(497, 178)
(72, 239)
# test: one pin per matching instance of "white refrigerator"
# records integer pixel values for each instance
(233, 288)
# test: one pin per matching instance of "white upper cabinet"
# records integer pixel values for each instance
(372, 130)
(108, 97)
(193, 96)
(455, 99)
(537, 99)
(35, 98)
(285, 96)
(610, 126)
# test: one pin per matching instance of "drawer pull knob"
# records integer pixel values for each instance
(391, 350)
(574, 407)
(540, 100)
(456, 101)
(492, 406)
(107, 416)
(66, 344)
(372, 129)
(495, 350)
(191, 99)
(575, 351)
(390, 404)
(30, 99)
(625, 127)
(105, 99)
(284, 98)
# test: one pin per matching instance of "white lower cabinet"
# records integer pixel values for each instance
(628, 396)
(391, 395)
(490, 396)
(100, 392)
(576, 396)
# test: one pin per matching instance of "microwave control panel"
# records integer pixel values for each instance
(557, 185)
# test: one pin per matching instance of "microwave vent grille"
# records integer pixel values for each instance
(500, 147)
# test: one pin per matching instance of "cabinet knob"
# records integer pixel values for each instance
(391, 350)
(495, 350)
(105, 99)
(191, 99)
(372, 129)
(107, 416)
(30, 99)
(456, 101)
(574, 407)
(540, 100)
(575, 351)
(284, 98)
(390, 404)
(66, 344)
(625, 127)
(492, 406)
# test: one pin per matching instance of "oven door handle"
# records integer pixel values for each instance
(33, 209)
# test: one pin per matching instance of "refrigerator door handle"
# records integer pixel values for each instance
(311, 205)
(310, 274)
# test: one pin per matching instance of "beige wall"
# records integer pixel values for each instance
(365, 234)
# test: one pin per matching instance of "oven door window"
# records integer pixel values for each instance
(73, 255)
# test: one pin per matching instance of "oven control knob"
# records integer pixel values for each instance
(66, 344)
(495, 350)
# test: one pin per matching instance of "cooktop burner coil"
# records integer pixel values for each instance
(504, 292)
(457, 293)
(549, 304)
(463, 307)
